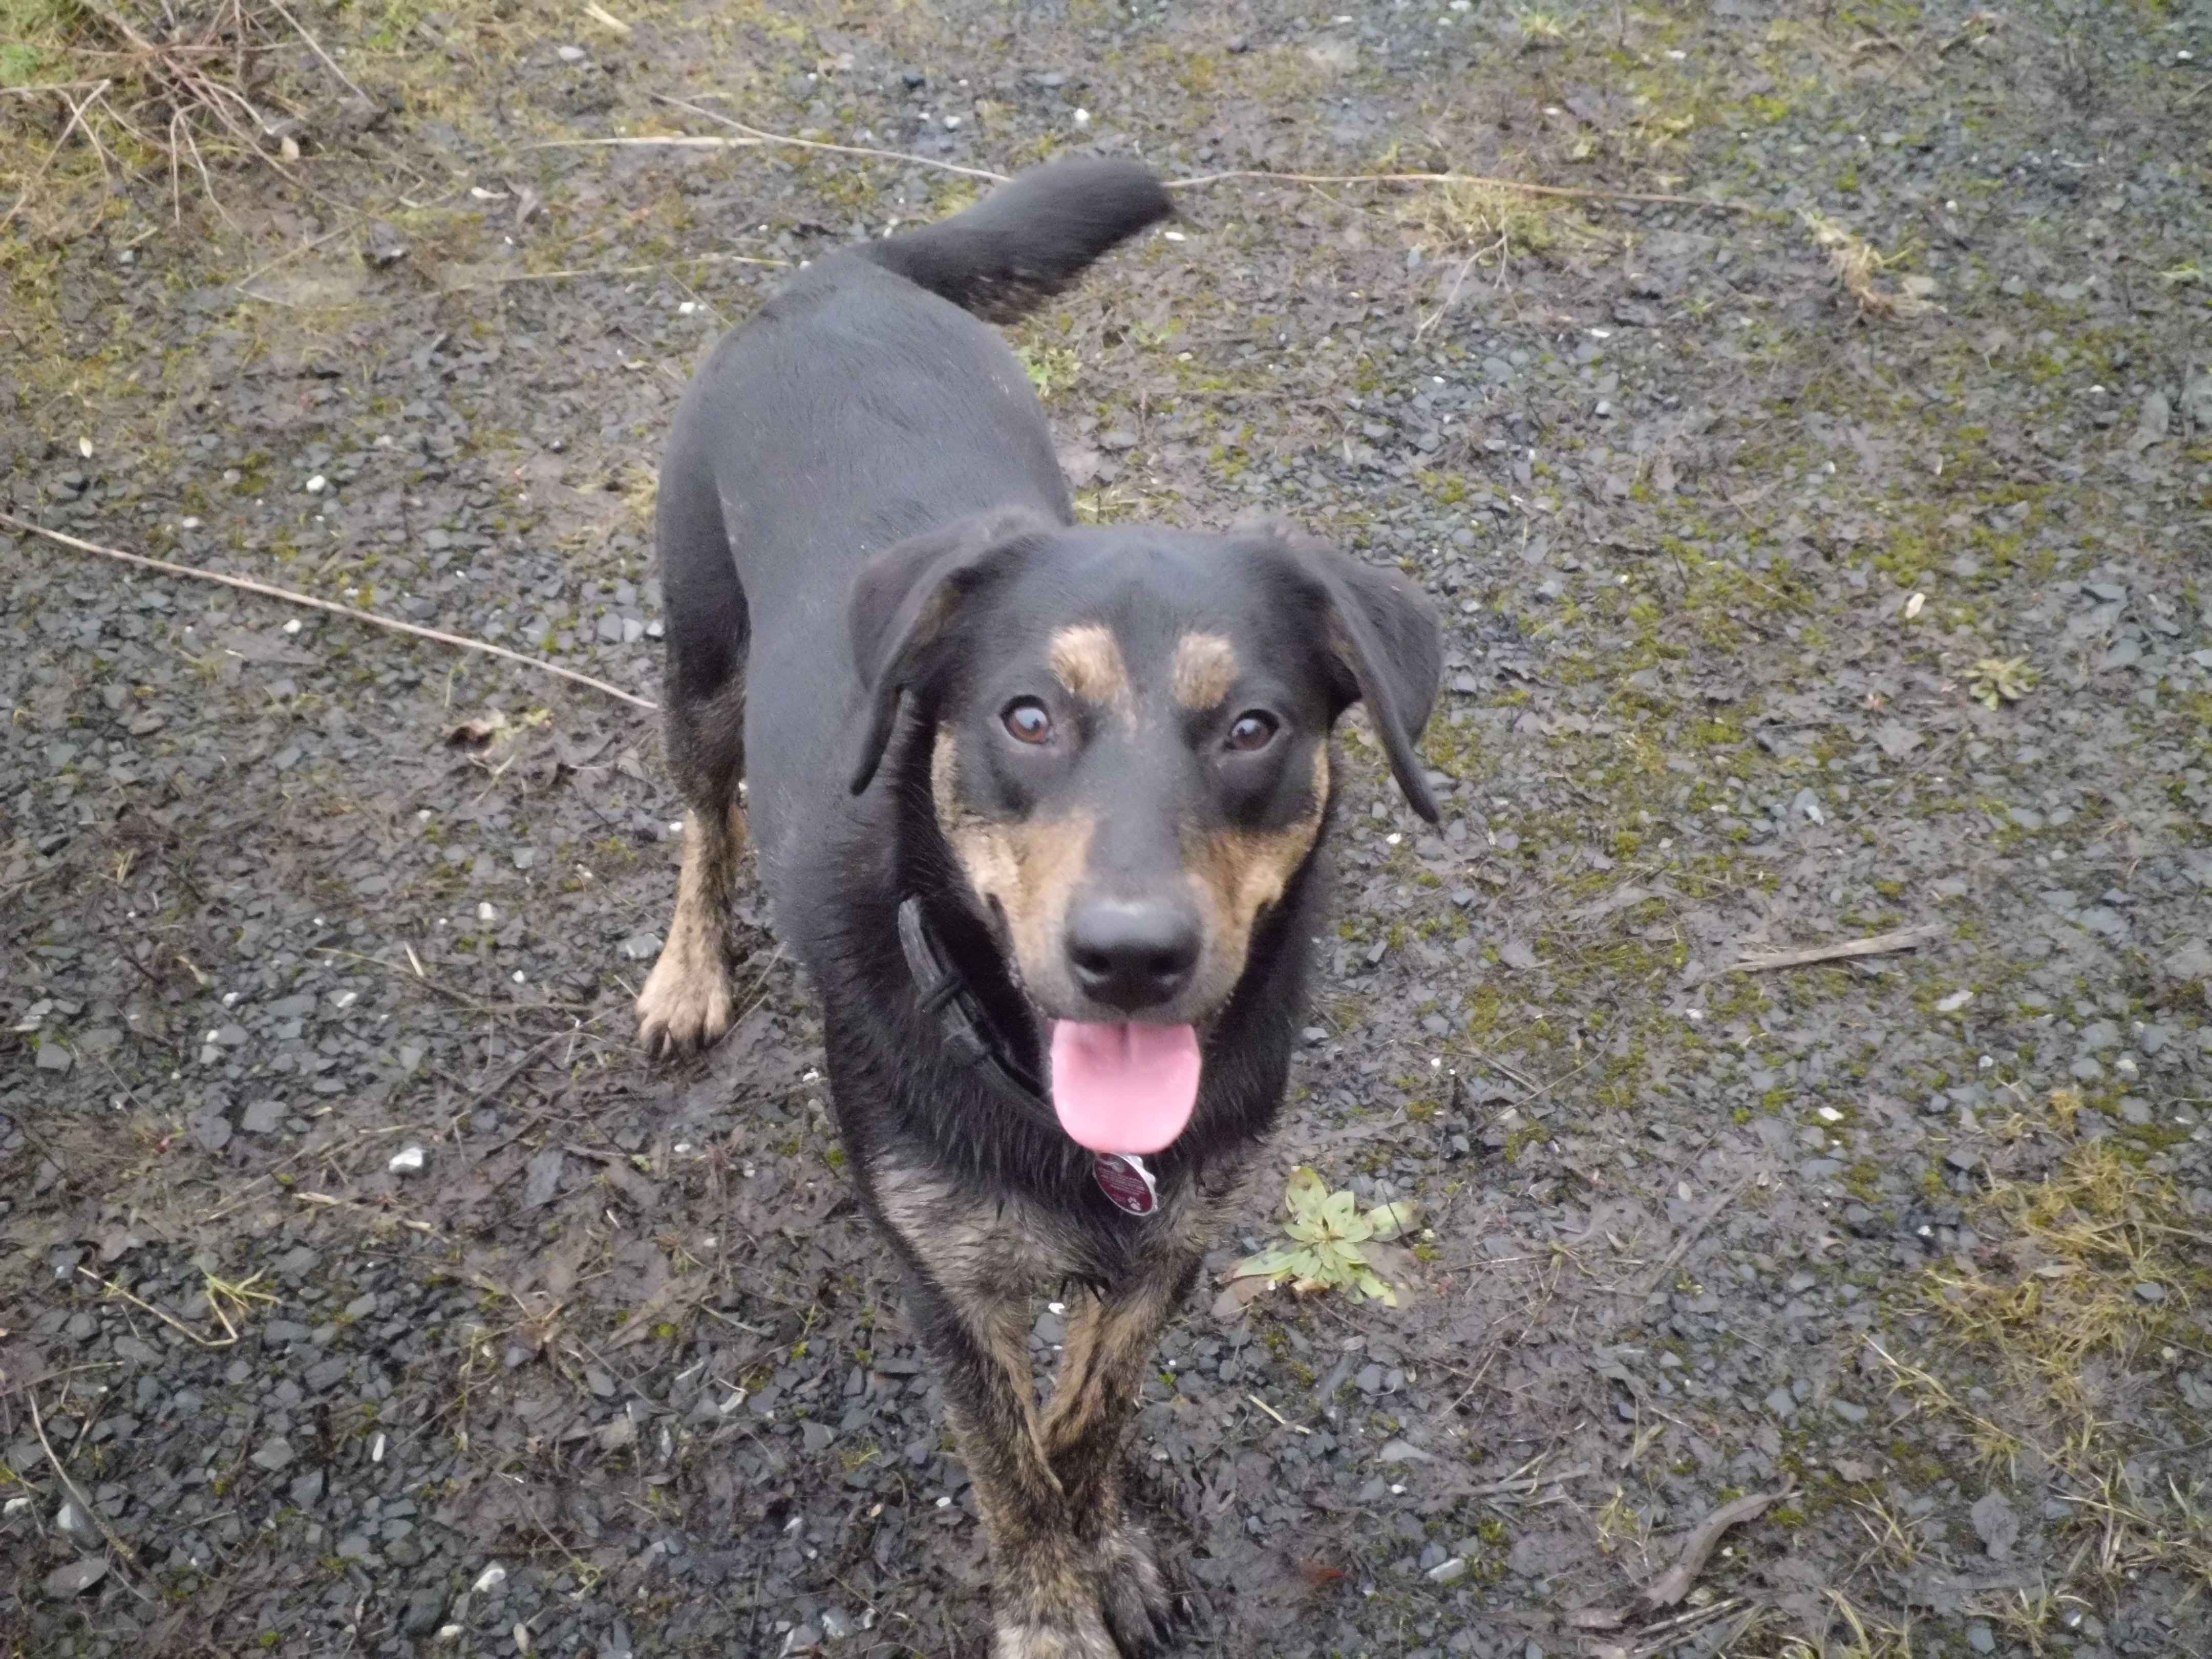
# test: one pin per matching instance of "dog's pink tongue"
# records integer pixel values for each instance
(1123, 1088)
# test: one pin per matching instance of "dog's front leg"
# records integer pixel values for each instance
(1046, 1590)
(1111, 1339)
(974, 1263)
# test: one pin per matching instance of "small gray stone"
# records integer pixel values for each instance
(1446, 1572)
(1994, 1524)
(2150, 1291)
(424, 1610)
(76, 1578)
(262, 1117)
(76, 1523)
(542, 1179)
(275, 1452)
(1403, 1451)
(307, 1491)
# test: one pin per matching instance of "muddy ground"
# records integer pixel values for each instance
(1729, 557)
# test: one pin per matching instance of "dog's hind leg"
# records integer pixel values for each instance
(686, 1000)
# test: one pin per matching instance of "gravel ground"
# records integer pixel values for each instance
(377, 1298)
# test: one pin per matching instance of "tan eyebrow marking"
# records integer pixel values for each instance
(1087, 660)
(1205, 670)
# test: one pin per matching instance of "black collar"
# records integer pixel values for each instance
(962, 1021)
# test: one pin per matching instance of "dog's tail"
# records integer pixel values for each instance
(1027, 240)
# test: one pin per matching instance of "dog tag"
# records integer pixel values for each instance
(1126, 1182)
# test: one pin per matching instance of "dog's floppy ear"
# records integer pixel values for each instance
(1387, 652)
(902, 603)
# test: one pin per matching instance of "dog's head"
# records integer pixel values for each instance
(1130, 763)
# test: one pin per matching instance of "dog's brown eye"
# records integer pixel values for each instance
(1252, 731)
(1026, 720)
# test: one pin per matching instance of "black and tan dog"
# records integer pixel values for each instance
(1038, 807)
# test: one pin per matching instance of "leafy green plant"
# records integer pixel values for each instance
(1999, 680)
(1327, 1230)
(1051, 368)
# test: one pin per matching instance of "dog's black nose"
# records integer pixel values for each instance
(1132, 954)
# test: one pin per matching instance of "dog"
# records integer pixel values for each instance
(1041, 809)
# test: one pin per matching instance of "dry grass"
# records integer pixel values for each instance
(1857, 262)
(129, 88)
(1493, 224)
(2081, 1242)
(1479, 225)
(2075, 1319)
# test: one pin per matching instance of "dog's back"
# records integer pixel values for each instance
(864, 403)
(860, 405)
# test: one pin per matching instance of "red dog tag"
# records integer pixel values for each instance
(1126, 1182)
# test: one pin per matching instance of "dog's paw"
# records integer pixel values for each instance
(1139, 1611)
(686, 1000)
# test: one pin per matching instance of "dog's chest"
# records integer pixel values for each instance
(1002, 1244)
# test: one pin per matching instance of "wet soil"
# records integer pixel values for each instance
(377, 1298)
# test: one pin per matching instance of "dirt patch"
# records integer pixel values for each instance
(375, 1296)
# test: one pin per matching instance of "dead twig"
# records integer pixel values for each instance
(501, 279)
(749, 134)
(1692, 1233)
(316, 46)
(1875, 944)
(1295, 1428)
(1527, 1483)
(437, 637)
(1583, 193)
(1980, 27)
(758, 136)
(243, 1293)
(84, 1503)
(671, 141)
(1672, 1585)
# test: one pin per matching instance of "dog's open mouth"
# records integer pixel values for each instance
(1123, 1088)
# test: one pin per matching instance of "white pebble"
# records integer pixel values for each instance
(489, 1579)
(317, 484)
(406, 1161)
(485, 912)
(1082, 118)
